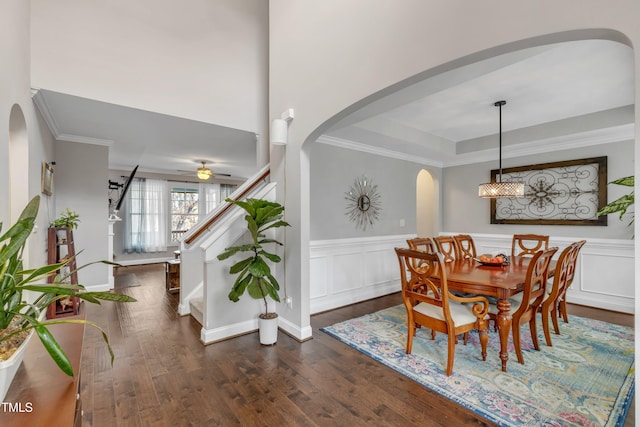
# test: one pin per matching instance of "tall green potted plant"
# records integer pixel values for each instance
(18, 318)
(253, 272)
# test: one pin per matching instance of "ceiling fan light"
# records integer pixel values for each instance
(492, 190)
(204, 173)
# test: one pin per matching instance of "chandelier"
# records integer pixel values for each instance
(493, 190)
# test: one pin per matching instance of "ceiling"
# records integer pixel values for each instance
(553, 91)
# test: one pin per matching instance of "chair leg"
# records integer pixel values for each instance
(465, 337)
(563, 310)
(451, 345)
(411, 327)
(534, 332)
(516, 342)
(546, 313)
(483, 331)
(554, 319)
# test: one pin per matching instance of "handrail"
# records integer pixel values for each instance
(202, 228)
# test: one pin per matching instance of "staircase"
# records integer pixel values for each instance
(205, 281)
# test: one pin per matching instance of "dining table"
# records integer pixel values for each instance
(499, 281)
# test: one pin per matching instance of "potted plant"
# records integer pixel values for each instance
(253, 273)
(18, 318)
(623, 203)
(67, 218)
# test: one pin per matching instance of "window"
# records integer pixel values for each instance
(184, 211)
(146, 225)
(158, 212)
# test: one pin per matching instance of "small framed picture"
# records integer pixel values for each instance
(47, 178)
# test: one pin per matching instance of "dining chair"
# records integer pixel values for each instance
(562, 297)
(464, 246)
(562, 277)
(422, 244)
(529, 300)
(447, 247)
(528, 244)
(430, 304)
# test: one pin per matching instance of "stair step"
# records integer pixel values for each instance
(196, 305)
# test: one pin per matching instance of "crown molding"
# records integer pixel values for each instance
(84, 139)
(41, 103)
(357, 146)
(565, 142)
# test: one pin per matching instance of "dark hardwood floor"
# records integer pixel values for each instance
(164, 376)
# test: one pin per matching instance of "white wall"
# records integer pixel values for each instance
(200, 60)
(80, 185)
(15, 90)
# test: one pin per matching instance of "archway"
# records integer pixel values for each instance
(426, 204)
(18, 163)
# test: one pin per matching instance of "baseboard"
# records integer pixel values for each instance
(300, 334)
(210, 336)
(99, 288)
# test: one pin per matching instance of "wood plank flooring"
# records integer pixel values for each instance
(164, 376)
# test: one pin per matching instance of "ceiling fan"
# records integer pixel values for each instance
(203, 173)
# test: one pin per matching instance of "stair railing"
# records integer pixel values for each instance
(239, 194)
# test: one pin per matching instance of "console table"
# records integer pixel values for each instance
(41, 394)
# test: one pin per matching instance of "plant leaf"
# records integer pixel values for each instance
(53, 348)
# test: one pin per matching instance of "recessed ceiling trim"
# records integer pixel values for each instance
(357, 146)
(565, 142)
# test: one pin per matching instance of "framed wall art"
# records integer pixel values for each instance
(47, 178)
(558, 193)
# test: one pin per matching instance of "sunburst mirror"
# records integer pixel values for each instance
(363, 203)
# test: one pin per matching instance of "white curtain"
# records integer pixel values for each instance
(146, 216)
(209, 196)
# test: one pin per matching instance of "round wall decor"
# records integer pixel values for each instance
(363, 202)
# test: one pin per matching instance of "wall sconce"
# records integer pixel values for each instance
(280, 128)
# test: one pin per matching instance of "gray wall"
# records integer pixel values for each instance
(464, 211)
(80, 185)
(333, 171)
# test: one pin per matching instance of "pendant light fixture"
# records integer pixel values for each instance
(494, 190)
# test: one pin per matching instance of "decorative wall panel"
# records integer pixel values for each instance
(558, 193)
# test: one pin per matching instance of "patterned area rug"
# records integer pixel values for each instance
(585, 379)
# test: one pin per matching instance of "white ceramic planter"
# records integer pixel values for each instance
(268, 330)
(8, 368)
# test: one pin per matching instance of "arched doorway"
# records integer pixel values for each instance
(426, 204)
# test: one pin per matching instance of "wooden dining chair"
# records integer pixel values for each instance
(464, 246)
(422, 244)
(528, 244)
(447, 247)
(562, 296)
(555, 303)
(529, 300)
(430, 304)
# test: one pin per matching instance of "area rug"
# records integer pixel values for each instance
(585, 379)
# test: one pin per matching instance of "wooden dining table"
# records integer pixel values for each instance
(502, 282)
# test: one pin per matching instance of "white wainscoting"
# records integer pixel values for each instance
(345, 271)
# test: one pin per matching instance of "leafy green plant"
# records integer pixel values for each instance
(254, 273)
(67, 218)
(622, 204)
(14, 280)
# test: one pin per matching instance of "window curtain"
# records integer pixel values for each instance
(147, 219)
(209, 196)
